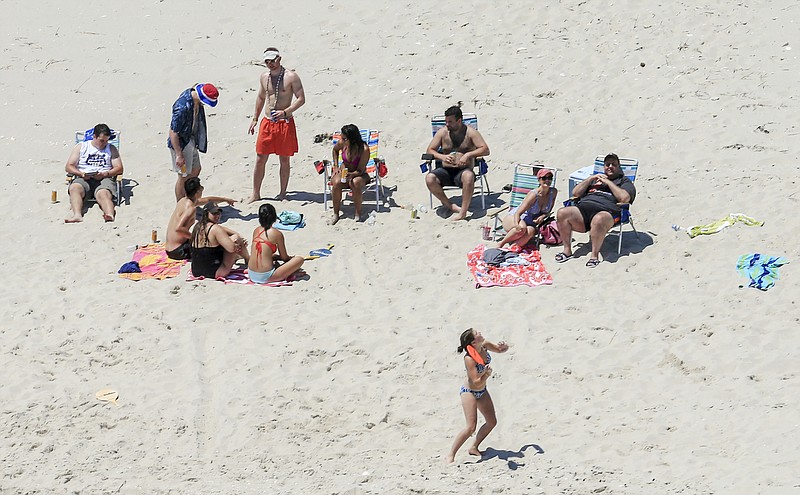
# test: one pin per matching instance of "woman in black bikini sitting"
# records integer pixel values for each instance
(474, 396)
(268, 248)
(355, 155)
(215, 248)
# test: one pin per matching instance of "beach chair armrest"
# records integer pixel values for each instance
(572, 201)
(427, 157)
(624, 206)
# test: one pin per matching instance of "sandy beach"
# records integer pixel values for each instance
(659, 371)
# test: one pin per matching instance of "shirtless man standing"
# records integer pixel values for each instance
(277, 133)
(179, 229)
(455, 146)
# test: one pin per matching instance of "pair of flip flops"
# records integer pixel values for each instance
(561, 258)
(319, 253)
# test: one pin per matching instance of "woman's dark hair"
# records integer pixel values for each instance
(267, 215)
(466, 339)
(354, 139)
(200, 228)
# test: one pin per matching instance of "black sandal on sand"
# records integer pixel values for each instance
(561, 257)
(592, 263)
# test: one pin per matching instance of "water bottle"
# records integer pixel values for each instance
(422, 208)
(371, 218)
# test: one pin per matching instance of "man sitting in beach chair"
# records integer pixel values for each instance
(596, 208)
(455, 146)
(94, 166)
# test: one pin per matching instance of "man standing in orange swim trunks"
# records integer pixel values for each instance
(277, 133)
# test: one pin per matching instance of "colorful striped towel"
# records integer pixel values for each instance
(532, 274)
(762, 270)
(239, 276)
(154, 263)
(723, 223)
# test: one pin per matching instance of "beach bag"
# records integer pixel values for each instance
(288, 217)
(549, 233)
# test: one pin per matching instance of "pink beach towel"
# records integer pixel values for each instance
(154, 263)
(533, 274)
(239, 276)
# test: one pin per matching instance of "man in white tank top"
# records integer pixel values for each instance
(94, 165)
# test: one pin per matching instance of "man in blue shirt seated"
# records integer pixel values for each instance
(597, 208)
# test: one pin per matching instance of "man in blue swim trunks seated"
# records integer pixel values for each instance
(455, 148)
(597, 209)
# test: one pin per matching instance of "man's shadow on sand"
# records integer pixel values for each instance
(509, 456)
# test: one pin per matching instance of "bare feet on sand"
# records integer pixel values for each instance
(449, 459)
(108, 218)
(459, 214)
(253, 199)
(73, 218)
(475, 451)
(335, 218)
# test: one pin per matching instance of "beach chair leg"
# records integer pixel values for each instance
(619, 245)
(480, 189)
(377, 192)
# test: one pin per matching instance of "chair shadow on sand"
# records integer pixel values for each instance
(387, 202)
(631, 244)
(509, 455)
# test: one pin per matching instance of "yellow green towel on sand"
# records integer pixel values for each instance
(714, 227)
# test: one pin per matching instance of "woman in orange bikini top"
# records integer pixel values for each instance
(269, 250)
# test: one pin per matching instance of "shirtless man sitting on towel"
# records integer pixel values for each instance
(455, 146)
(179, 229)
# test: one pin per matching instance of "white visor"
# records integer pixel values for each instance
(271, 55)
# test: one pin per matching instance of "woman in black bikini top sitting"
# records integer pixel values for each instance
(215, 248)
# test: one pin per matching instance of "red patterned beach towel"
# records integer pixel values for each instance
(532, 274)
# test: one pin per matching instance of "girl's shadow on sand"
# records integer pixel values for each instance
(509, 456)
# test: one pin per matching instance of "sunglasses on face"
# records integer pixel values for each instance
(548, 178)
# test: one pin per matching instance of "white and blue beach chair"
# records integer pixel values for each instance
(470, 119)
(88, 135)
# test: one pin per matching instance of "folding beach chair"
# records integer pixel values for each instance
(630, 167)
(374, 167)
(525, 180)
(88, 135)
(437, 122)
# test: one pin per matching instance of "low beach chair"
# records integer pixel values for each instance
(630, 167)
(525, 180)
(374, 166)
(437, 122)
(88, 135)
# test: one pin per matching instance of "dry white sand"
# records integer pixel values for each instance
(654, 373)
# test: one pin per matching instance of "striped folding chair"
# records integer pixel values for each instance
(374, 165)
(88, 135)
(525, 180)
(470, 119)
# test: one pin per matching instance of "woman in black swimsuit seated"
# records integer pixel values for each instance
(268, 248)
(474, 396)
(215, 248)
(355, 155)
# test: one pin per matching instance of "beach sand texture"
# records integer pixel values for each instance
(653, 373)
